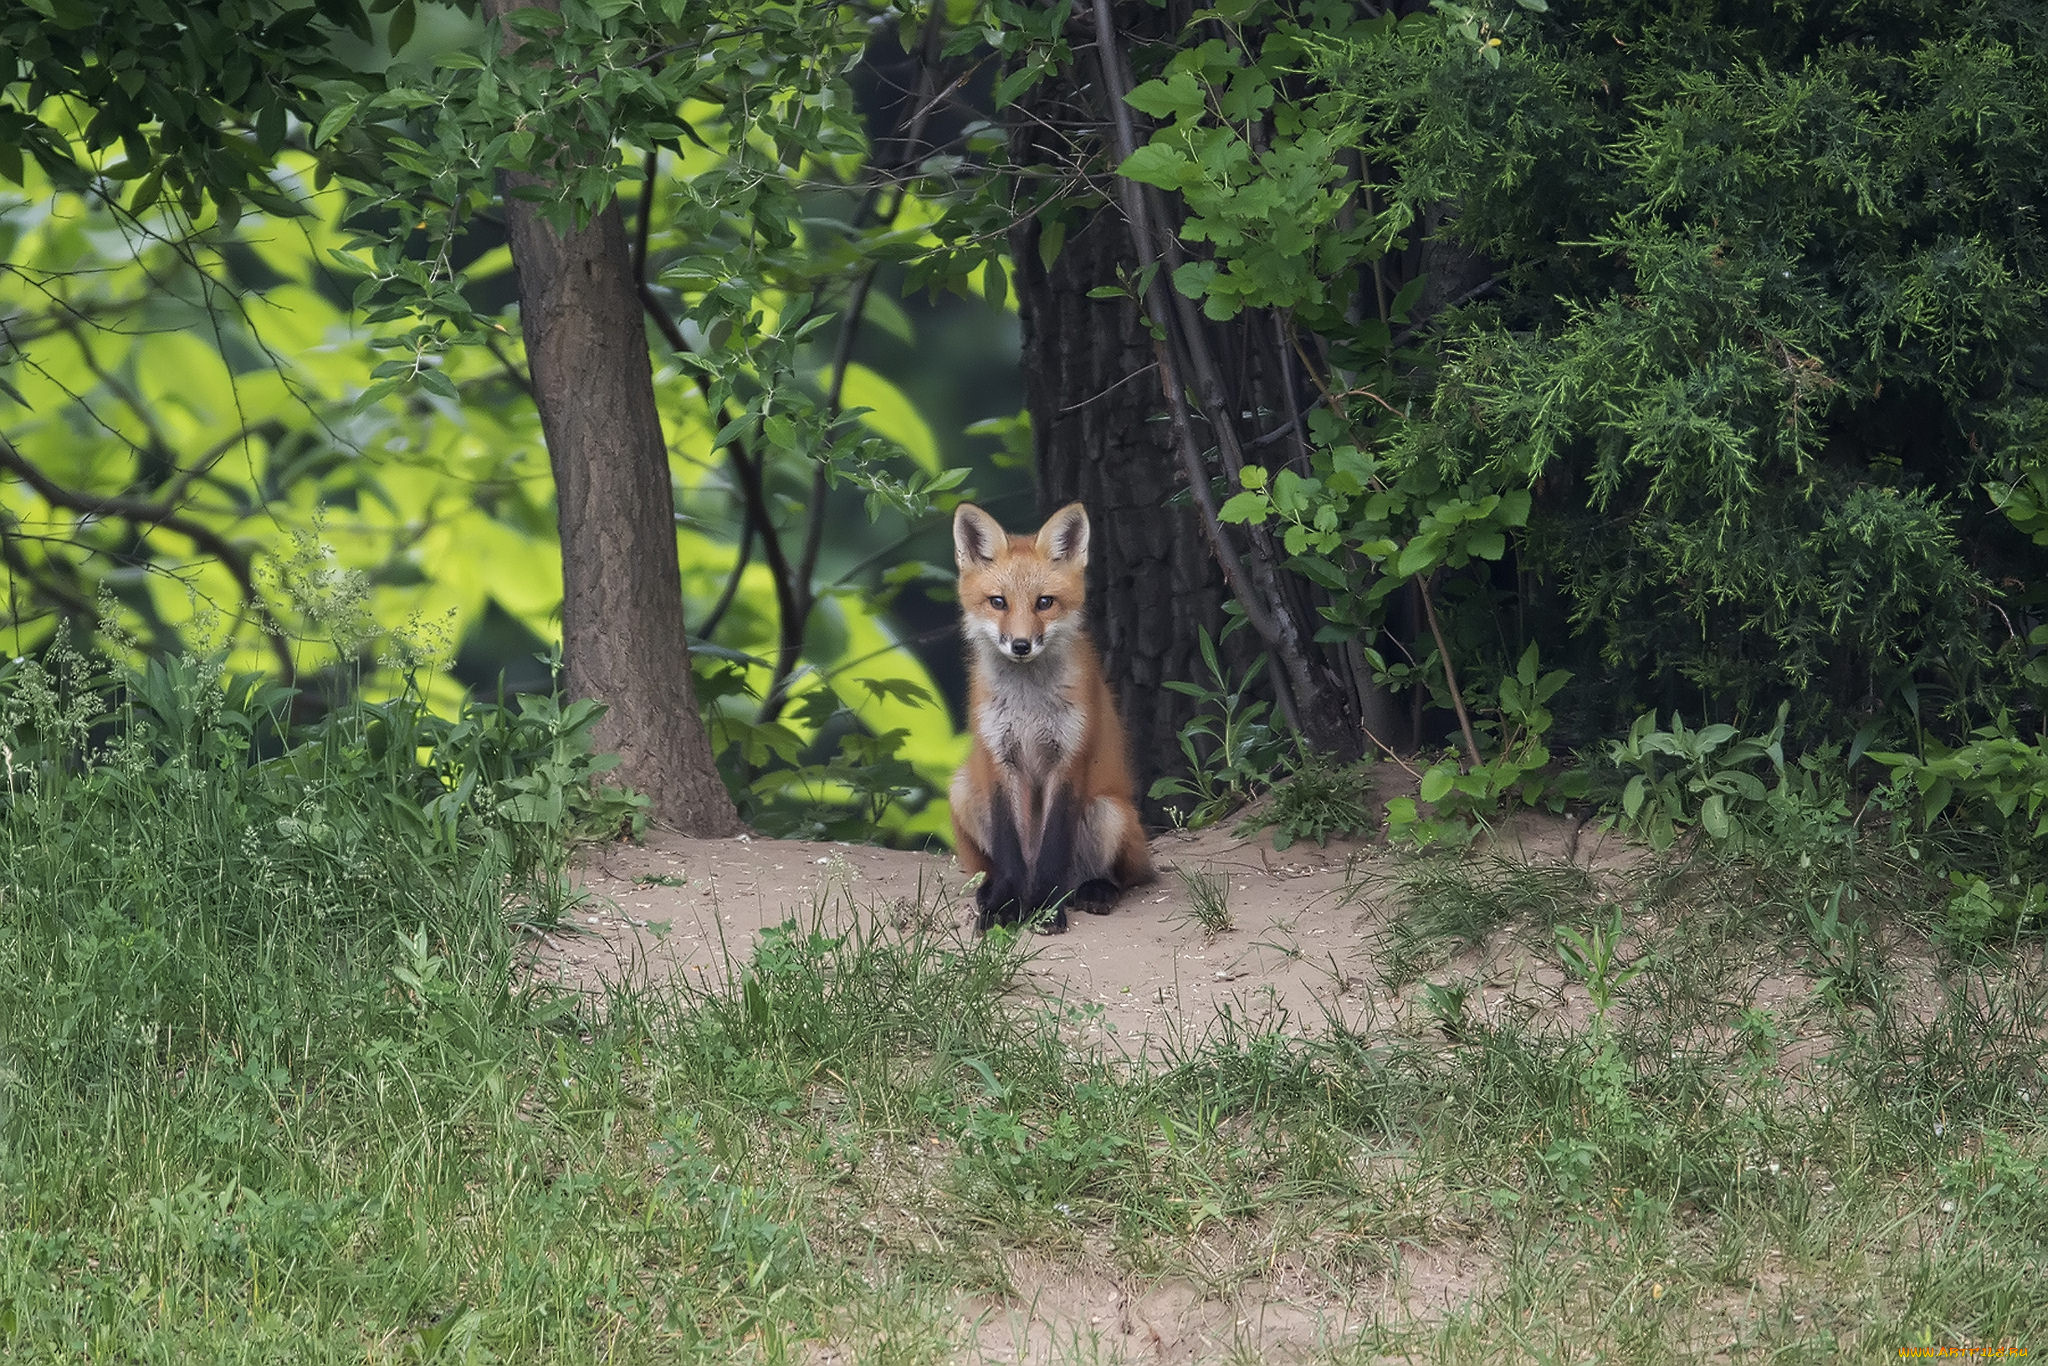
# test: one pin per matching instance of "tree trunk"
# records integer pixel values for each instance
(1099, 431)
(622, 604)
(1152, 584)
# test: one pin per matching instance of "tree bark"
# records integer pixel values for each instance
(622, 606)
(1097, 408)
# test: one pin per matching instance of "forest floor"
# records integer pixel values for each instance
(1387, 1113)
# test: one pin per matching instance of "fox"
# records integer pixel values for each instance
(1044, 807)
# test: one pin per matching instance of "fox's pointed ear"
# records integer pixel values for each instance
(977, 539)
(1065, 535)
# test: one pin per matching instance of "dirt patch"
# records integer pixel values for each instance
(1309, 945)
(1300, 946)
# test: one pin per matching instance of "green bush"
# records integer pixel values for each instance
(185, 870)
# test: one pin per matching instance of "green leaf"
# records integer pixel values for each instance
(1178, 96)
(1052, 235)
(1018, 81)
(1437, 782)
(1252, 506)
(403, 20)
(1421, 553)
(1320, 570)
(891, 414)
(1194, 278)
(1405, 300)
(1156, 164)
(435, 382)
(334, 120)
(147, 191)
(1714, 736)
(1714, 816)
(1747, 786)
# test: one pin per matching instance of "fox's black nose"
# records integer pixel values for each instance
(1020, 647)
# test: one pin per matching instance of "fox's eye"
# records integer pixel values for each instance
(1044, 603)
(998, 604)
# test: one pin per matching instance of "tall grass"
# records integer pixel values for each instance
(274, 1086)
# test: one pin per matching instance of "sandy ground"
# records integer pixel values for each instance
(1306, 921)
(1310, 925)
(1302, 934)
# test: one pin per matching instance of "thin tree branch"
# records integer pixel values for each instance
(1105, 393)
(1409, 333)
(140, 510)
(510, 367)
(1186, 352)
(790, 647)
(644, 221)
(1443, 653)
(746, 470)
(68, 598)
(732, 582)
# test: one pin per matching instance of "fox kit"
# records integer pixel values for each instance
(1043, 807)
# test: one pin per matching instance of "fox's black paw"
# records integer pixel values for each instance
(1056, 923)
(1097, 896)
(995, 903)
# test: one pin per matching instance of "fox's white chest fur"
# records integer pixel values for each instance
(1030, 721)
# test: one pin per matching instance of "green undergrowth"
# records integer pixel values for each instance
(272, 1094)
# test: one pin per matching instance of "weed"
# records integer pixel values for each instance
(1208, 899)
(1465, 792)
(1843, 957)
(1319, 801)
(1605, 1077)
(1681, 776)
(1447, 1006)
(1231, 748)
(1447, 903)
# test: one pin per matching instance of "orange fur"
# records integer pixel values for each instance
(1048, 781)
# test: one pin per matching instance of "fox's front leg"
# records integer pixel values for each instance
(1000, 898)
(1052, 869)
(1090, 852)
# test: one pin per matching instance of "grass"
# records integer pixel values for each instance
(1208, 899)
(275, 1092)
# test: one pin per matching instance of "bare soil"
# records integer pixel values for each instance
(1308, 922)
(1311, 928)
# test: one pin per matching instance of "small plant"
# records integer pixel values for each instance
(1208, 899)
(1447, 1006)
(1463, 792)
(848, 782)
(1759, 1031)
(1992, 790)
(1319, 801)
(1593, 957)
(1231, 748)
(1843, 958)
(1680, 776)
